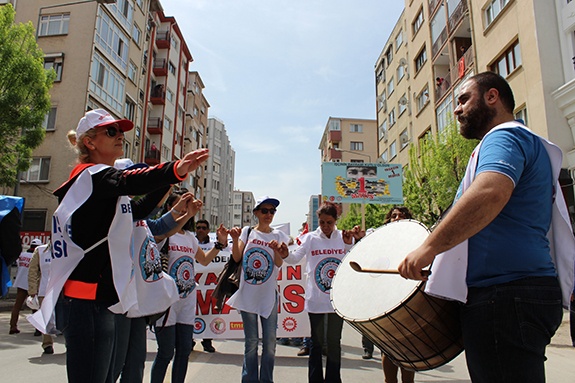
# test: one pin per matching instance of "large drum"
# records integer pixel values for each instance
(417, 331)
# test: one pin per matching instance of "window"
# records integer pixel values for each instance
(383, 130)
(381, 101)
(112, 39)
(391, 117)
(385, 156)
(172, 68)
(49, 122)
(400, 72)
(390, 86)
(355, 145)
(130, 111)
(166, 152)
(404, 138)
(422, 98)
(334, 125)
(356, 128)
(418, 22)
(493, 9)
(521, 114)
(136, 34)
(34, 220)
(393, 150)
(107, 83)
(168, 124)
(380, 74)
(170, 96)
(174, 41)
(54, 61)
(420, 60)
(402, 104)
(444, 113)
(508, 61)
(51, 25)
(398, 40)
(39, 170)
(389, 55)
(132, 70)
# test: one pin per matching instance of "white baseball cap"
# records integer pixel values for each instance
(99, 117)
(266, 199)
(36, 242)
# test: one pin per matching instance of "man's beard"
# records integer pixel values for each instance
(477, 121)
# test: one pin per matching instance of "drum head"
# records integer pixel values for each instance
(363, 296)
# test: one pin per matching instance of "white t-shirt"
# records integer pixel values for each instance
(21, 280)
(323, 256)
(182, 253)
(258, 284)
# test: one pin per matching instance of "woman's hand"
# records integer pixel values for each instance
(280, 248)
(222, 234)
(235, 232)
(193, 206)
(191, 161)
(181, 207)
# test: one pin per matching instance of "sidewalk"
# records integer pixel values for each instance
(22, 361)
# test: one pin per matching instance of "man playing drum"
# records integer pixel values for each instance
(496, 254)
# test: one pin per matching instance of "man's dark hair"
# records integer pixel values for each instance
(203, 221)
(488, 80)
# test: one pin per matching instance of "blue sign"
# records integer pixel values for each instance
(359, 182)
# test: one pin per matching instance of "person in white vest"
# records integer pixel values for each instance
(174, 332)
(257, 297)
(21, 284)
(38, 274)
(323, 249)
(92, 238)
(495, 251)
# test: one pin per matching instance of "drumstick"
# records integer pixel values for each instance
(357, 267)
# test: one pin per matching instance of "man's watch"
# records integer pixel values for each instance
(219, 246)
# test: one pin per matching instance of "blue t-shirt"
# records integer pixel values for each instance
(515, 244)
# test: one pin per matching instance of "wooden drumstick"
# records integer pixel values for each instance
(357, 267)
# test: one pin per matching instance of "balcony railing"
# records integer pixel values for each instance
(438, 44)
(457, 15)
(163, 39)
(459, 70)
(154, 125)
(334, 136)
(160, 67)
(152, 157)
(334, 154)
(433, 4)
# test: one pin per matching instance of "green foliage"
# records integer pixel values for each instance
(434, 174)
(374, 216)
(24, 95)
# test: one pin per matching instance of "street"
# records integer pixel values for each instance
(21, 360)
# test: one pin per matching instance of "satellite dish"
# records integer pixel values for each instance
(402, 62)
(403, 101)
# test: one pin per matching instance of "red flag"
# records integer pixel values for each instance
(303, 232)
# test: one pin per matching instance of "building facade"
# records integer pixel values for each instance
(443, 42)
(243, 209)
(219, 175)
(127, 57)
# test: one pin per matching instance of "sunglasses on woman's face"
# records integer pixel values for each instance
(266, 210)
(112, 131)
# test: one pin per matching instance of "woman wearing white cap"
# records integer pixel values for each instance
(91, 241)
(257, 295)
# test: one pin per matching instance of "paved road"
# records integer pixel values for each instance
(21, 360)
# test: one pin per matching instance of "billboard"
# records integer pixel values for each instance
(359, 182)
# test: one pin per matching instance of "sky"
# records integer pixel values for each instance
(274, 72)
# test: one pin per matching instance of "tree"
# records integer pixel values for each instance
(24, 95)
(435, 172)
(374, 216)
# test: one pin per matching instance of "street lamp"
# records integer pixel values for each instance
(354, 152)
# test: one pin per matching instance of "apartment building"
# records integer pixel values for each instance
(443, 42)
(195, 136)
(124, 56)
(219, 175)
(349, 140)
(243, 209)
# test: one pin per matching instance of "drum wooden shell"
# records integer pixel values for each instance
(417, 331)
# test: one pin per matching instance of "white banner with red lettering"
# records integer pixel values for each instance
(293, 321)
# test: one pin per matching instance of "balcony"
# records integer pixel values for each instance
(463, 65)
(432, 5)
(438, 44)
(457, 16)
(152, 157)
(158, 96)
(334, 136)
(163, 39)
(161, 67)
(154, 125)
(334, 154)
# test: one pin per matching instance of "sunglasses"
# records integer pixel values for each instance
(112, 131)
(201, 228)
(265, 210)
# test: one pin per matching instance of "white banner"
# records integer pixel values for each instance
(293, 322)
